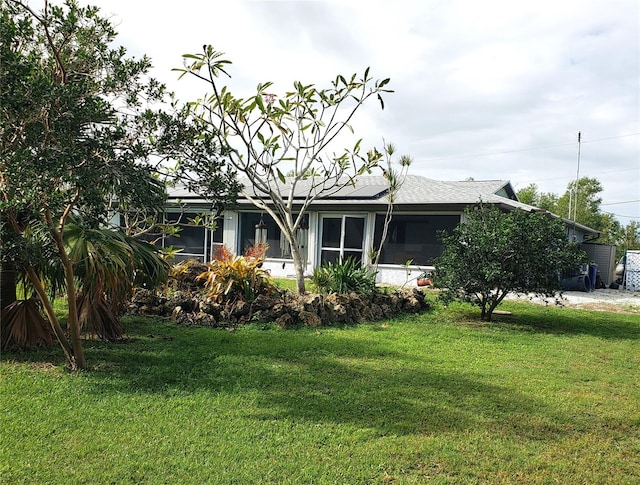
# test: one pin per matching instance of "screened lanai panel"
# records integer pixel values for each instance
(278, 246)
(413, 237)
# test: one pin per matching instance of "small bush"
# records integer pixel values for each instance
(344, 277)
(236, 278)
(184, 274)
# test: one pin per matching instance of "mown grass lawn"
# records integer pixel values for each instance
(546, 395)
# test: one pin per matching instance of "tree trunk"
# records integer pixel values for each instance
(7, 284)
(73, 325)
(51, 315)
(494, 304)
(298, 266)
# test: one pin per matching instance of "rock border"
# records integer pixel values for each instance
(286, 308)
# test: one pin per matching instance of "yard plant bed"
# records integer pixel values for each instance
(544, 395)
(284, 307)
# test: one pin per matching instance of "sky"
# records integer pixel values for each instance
(487, 90)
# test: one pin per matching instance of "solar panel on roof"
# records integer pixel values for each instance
(362, 192)
(348, 192)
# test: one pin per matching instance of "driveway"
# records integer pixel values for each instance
(604, 300)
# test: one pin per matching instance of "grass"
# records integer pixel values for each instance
(546, 395)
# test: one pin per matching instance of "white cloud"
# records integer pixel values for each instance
(471, 78)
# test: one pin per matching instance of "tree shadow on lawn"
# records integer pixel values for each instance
(334, 380)
(558, 321)
(598, 324)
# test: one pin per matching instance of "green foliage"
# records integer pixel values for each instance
(344, 277)
(108, 261)
(72, 138)
(64, 145)
(631, 236)
(78, 135)
(492, 254)
(231, 279)
(581, 203)
(107, 265)
(544, 200)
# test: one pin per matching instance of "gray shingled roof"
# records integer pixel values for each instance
(416, 191)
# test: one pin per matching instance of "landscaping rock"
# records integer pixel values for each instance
(264, 302)
(285, 321)
(286, 308)
(186, 273)
(205, 320)
(310, 319)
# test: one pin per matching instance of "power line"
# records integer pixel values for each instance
(569, 176)
(633, 218)
(625, 202)
(479, 155)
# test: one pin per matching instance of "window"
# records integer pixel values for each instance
(342, 237)
(413, 237)
(278, 245)
(195, 240)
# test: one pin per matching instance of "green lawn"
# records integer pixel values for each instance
(546, 395)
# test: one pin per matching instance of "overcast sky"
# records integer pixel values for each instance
(489, 90)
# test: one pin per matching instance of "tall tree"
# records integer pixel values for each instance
(267, 136)
(581, 202)
(630, 237)
(529, 194)
(493, 254)
(77, 133)
(543, 200)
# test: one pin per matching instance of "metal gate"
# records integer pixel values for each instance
(632, 271)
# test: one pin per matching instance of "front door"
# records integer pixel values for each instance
(342, 237)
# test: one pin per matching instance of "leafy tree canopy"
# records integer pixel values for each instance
(79, 131)
(492, 254)
(580, 202)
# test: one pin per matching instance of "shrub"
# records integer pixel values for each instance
(344, 277)
(184, 274)
(233, 278)
(493, 254)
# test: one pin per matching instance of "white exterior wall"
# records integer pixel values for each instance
(388, 274)
(396, 275)
(313, 249)
(281, 268)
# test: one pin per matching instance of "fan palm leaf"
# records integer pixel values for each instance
(107, 265)
(23, 326)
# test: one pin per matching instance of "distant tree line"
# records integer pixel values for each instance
(586, 207)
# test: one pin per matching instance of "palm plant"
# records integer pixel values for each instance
(21, 322)
(108, 264)
(232, 278)
(344, 277)
(23, 326)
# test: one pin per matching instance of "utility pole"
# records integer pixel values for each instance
(575, 202)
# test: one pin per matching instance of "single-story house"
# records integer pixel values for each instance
(350, 223)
